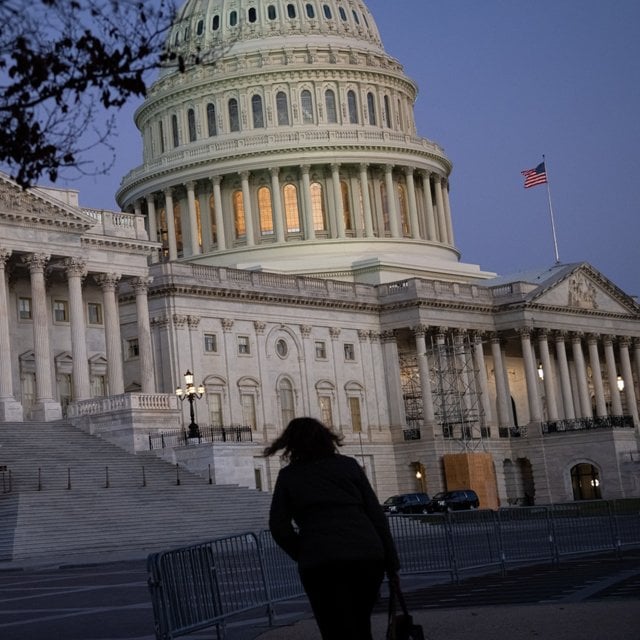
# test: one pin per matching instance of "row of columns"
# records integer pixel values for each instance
(436, 212)
(563, 401)
(46, 405)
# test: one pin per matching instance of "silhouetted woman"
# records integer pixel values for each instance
(342, 544)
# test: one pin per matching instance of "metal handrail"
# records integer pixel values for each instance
(206, 434)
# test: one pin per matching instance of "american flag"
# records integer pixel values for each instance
(534, 177)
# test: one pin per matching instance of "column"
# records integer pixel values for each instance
(337, 198)
(440, 212)
(502, 393)
(394, 222)
(147, 374)
(76, 271)
(46, 407)
(483, 383)
(153, 225)
(549, 376)
(616, 402)
(596, 374)
(447, 210)
(533, 397)
(218, 214)
(627, 376)
(109, 283)
(309, 231)
(246, 203)
(581, 376)
(171, 225)
(636, 359)
(366, 200)
(10, 409)
(413, 209)
(565, 378)
(432, 234)
(278, 216)
(397, 414)
(428, 413)
(193, 219)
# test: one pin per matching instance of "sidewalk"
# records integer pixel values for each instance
(615, 620)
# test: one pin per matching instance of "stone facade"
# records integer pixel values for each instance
(302, 261)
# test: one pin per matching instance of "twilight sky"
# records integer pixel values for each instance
(502, 82)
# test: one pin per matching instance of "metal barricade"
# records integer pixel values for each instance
(281, 571)
(626, 517)
(423, 543)
(526, 535)
(582, 528)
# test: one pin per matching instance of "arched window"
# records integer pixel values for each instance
(215, 23)
(327, 11)
(355, 16)
(585, 481)
(346, 205)
(234, 119)
(343, 14)
(174, 131)
(306, 102)
(353, 107)
(291, 10)
(253, 16)
(311, 12)
(238, 214)
(191, 120)
(330, 103)
(233, 18)
(291, 211)
(256, 110)
(287, 405)
(161, 136)
(177, 222)
(271, 12)
(318, 213)
(400, 117)
(212, 127)
(404, 210)
(371, 105)
(387, 112)
(282, 107)
(265, 210)
(200, 27)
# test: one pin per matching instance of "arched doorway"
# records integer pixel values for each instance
(585, 481)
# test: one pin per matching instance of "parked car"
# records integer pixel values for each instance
(458, 500)
(406, 503)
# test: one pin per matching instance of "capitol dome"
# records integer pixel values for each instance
(289, 144)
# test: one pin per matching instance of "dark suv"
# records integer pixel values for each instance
(406, 503)
(457, 500)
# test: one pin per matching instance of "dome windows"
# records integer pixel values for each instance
(215, 23)
(200, 28)
(233, 18)
(252, 15)
(265, 210)
(343, 14)
(257, 112)
(212, 128)
(191, 121)
(311, 12)
(326, 9)
(371, 106)
(271, 12)
(306, 104)
(234, 115)
(352, 104)
(330, 104)
(355, 17)
(282, 108)
(291, 11)
(174, 130)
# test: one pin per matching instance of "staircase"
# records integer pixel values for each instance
(76, 497)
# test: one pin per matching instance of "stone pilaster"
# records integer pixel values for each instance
(76, 269)
(108, 282)
(10, 409)
(147, 374)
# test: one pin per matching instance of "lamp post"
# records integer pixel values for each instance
(190, 393)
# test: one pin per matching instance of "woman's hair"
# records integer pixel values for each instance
(305, 439)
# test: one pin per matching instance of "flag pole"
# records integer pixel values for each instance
(553, 224)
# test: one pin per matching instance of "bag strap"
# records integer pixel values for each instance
(395, 593)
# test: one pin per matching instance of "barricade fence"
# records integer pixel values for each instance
(203, 585)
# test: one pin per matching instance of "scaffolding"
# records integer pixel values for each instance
(454, 387)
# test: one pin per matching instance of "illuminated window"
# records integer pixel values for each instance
(238, 214)
(404, 210)
(265, 209)
(287, 405)
(317, 207)
(326, 410)
(385, 207)
(356, 417)
(214, 228)
(346, 205)
(291, 211)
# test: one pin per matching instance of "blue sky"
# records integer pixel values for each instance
(502, 82)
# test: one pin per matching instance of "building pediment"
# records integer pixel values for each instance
(35, 207)
(584, 289)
